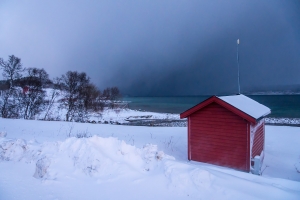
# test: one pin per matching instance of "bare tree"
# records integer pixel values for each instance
(33, 101)
(111, 95)
(92, 98)
(106, 93)
(53, 95)
(114, 93)
(10, 103)
(73, 84)
(11, 70)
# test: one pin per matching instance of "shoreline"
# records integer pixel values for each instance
(183, 123)
(282, 121)
(131, 117)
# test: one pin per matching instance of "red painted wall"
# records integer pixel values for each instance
(259, 140)
(220, 137)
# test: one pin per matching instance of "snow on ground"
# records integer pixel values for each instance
(124, 115)
(283, 152)
(65, 160)
(282, 121)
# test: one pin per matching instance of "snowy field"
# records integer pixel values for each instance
(65, 160)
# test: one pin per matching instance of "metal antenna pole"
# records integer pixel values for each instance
(238, 65)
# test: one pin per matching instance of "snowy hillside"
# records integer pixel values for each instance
(65, 160)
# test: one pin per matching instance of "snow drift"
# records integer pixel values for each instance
(95, 156)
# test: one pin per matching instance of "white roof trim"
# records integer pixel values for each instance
(247, 105)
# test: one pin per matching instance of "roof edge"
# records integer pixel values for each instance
(222, 103)
(197, 107)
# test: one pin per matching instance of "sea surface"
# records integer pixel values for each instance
(282, 106)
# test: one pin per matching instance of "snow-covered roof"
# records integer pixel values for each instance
(247, 105)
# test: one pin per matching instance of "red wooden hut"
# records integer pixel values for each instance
(25, 89)
(227, 131)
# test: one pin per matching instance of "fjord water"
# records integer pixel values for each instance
(280, 105)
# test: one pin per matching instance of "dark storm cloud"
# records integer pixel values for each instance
(158, 47)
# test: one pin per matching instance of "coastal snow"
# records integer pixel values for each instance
(125, 115)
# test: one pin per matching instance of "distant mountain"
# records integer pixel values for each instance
(274, 93)
(274, 90)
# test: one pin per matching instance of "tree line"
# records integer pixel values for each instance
(23, 93)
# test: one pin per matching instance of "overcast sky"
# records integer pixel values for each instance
(158, 47)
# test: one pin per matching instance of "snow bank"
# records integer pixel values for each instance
(12, 150)
(109, 159)
(41, 169)
(94, 156)
(2, 134)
